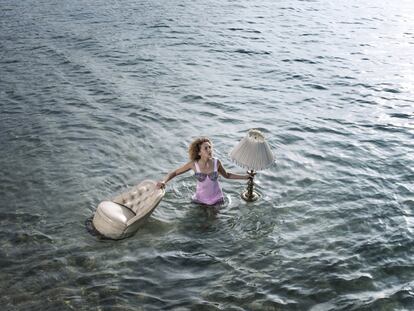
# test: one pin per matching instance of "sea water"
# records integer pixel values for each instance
(96, 96)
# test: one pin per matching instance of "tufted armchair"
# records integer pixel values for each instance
(122, 215)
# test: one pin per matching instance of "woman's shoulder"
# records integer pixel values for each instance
(217, 163)
(188, 165)
(192, 164)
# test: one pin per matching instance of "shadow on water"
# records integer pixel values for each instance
(202, 218)
(90, 228)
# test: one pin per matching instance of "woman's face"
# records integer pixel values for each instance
(206, 150)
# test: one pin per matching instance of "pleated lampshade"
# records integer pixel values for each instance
(253, 152)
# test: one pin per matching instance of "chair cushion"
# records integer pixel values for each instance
(116, 212)
(141, 198)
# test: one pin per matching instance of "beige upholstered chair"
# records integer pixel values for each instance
(122, 215)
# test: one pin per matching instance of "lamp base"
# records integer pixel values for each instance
(250, 197)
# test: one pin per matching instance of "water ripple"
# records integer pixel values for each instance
(95, 97)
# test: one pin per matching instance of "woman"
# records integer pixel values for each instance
(207, 170)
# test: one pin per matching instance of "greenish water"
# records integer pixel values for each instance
(96, 96)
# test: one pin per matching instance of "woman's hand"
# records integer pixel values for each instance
(160, 185)
(251, 174)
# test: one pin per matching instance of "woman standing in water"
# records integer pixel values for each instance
(206, 171)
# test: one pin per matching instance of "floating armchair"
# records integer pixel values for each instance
(121, 216)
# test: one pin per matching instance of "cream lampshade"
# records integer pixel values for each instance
(253, 153)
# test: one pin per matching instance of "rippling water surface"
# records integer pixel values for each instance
(96, 96)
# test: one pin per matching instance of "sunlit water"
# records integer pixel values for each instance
(96, 96)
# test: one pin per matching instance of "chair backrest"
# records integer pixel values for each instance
(140, 198)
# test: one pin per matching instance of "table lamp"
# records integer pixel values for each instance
(253, 153)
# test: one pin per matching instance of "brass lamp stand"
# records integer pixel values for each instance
(249, 194)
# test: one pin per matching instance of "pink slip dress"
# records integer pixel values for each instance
(208, 189)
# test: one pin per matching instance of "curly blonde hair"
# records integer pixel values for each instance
(194, 147)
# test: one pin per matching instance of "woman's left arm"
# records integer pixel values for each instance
(230, 175)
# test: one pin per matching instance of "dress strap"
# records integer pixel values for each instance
(196, 166)
(215, 165)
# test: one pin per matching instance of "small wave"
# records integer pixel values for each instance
(191, 98)
(401, 116)
(23, 237)
(301, 60)
(386, 128)
(10, 61)
(234, 29)
(288, 139)
(244, 30)
(20, 217)
(353, 281)
(317, 86)
(133, 62)
(319, 130)
(158, 26)
(250, 52)
(389, 90)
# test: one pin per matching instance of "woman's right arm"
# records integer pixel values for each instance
(181, 170)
